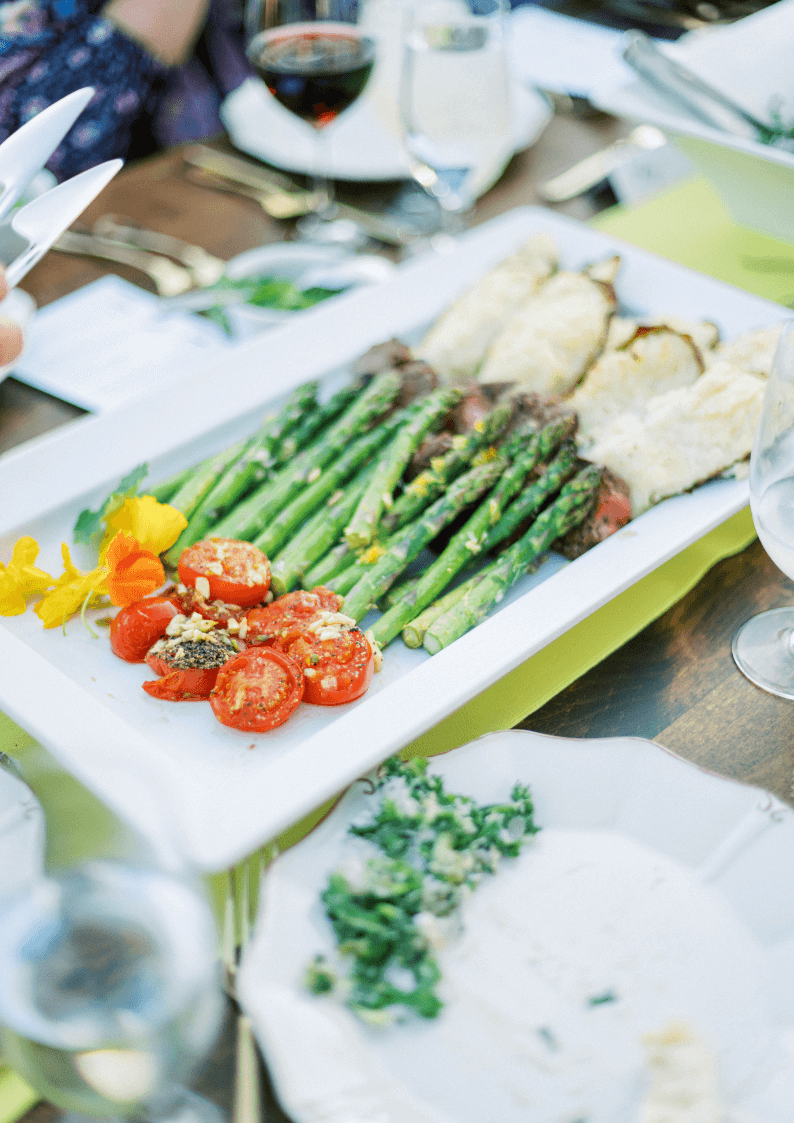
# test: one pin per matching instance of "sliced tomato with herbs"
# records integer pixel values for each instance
(258, 690)
(279, 624)
(135, 628)
(338, 669)
(234, 572)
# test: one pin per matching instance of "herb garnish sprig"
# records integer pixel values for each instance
(389, 911)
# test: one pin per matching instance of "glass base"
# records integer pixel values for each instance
(330, 231)
(763, 650)
(188, 1107)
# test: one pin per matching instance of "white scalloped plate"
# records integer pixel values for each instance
(651, 878)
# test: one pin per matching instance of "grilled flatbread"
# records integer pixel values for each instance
(703, 333)
(686, 436)
(554, 337)
(456, 344)
(623, 381)
(753, 351)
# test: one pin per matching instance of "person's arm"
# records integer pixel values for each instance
(168, 29)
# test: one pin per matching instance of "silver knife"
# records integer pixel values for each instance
(29, 233)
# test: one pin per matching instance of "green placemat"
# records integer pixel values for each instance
(688, 224)
(15, 1095)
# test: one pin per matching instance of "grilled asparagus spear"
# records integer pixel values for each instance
(526, 450)
(569, 508)
(407, 543)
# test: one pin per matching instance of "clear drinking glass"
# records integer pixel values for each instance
(764, 647)
(110, 983)
(315, 60)
(455, 103)
(110, 993)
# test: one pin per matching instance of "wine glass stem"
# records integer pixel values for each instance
(453, 222)
(322, 185)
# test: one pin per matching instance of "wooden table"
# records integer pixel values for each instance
(675, 682)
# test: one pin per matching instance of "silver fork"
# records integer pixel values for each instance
(204, 267)
(169, 278)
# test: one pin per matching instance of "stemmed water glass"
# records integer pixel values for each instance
(315, 61)
(455, 103)
(764, 647)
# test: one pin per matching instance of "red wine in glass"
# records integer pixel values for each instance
(315, 71)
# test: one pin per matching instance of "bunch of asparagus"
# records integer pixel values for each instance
(319, 488)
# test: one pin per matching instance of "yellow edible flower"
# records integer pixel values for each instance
(12, 600)
(72, 589)
(155, 526)
(21, 577)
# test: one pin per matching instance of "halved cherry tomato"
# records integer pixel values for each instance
(193, 685)
(258, 690)
(279, 624)
(337, 670)
(237, 572)
(135, 628)
(192, 601)
(188, 667)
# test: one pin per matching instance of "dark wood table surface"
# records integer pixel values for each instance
(675, 682)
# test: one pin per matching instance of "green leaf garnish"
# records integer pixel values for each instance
(88, 527)
(267, 292)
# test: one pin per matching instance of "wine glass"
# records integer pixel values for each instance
(763, 648)
(455, 103)
(315, 61)
(110, 989)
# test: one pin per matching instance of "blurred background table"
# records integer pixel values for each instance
(674, 682)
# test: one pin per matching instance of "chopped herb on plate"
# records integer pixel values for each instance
(391, 910)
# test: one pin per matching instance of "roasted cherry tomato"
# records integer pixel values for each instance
(236, 572)
(280, 623)
(258, 690)
(191, 601)
(337, 669)
(189, 667)
(182, 686)
(135, 628)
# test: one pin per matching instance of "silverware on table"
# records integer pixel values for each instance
(204, 267)
(278, 196)
(273, 201)
(169, 278)
(696, 97)
(590, 171)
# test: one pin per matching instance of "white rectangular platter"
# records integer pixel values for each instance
(171, 769)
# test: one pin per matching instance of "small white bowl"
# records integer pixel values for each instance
(303, 263)
(750, 61)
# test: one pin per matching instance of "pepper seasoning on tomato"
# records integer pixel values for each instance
(189, 663)
(227, 570)
(258, 690)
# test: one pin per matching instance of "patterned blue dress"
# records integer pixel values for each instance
(50, 47)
